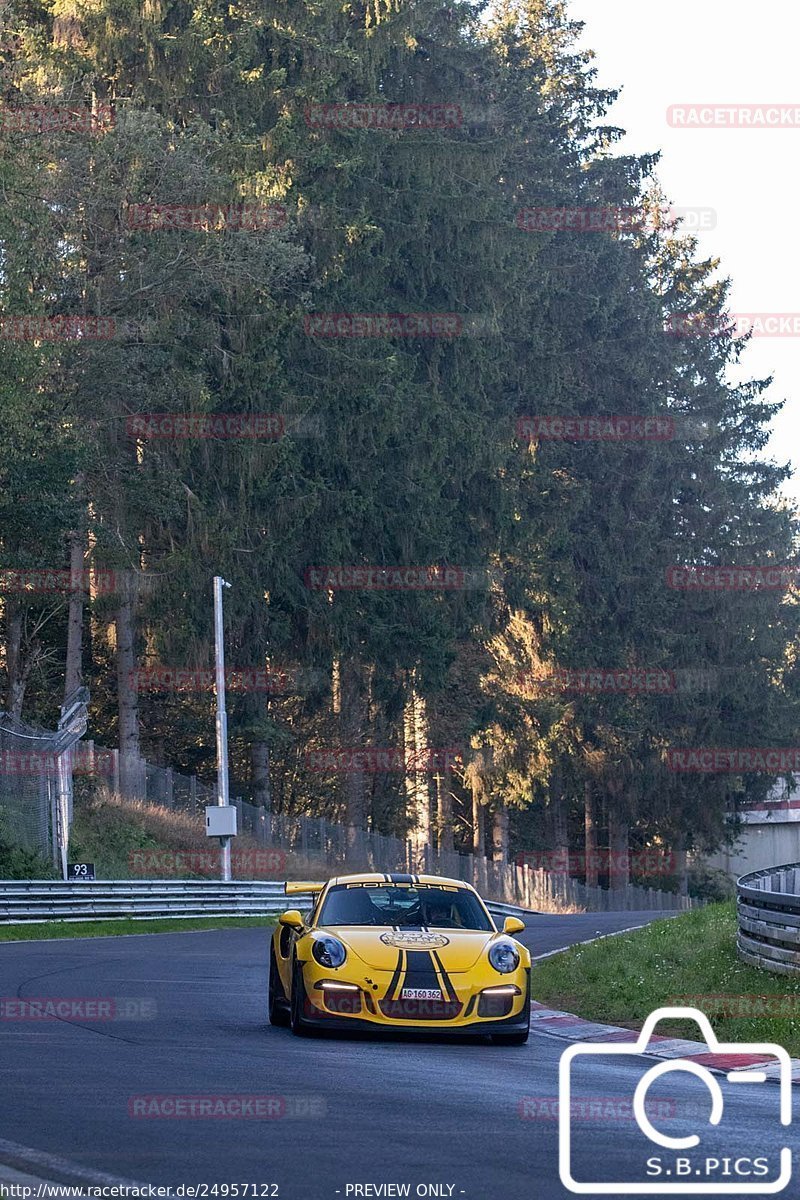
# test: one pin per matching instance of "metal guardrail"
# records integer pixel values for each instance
(768, 911)
(34, 901)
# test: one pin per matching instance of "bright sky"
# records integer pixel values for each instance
(720, 52)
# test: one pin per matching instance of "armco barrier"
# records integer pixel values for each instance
(31, 901)
(768, 907)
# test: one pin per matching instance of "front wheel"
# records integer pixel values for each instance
(298, 1025)
(278, 1007)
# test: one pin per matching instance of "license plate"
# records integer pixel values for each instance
(421, 994)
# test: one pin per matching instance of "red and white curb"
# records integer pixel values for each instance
(575, 1029)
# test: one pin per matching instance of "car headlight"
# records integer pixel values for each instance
(328, 951)
(504, 957)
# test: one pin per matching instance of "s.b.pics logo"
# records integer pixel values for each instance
(706, 1159)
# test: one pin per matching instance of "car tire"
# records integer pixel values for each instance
(278, 1005)
(298, 1025)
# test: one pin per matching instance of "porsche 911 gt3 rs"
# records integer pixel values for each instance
(404, 952)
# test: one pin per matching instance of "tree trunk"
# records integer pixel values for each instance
(352, 703)
(444, 809)
(127, 694)
(681, 864)
(417, 777)
(478, 825)
(480, 879)
(77, 558)
(500, 833)
(262, 783)
(558, 818)
(590, 834)
(618, 855)
(16, 678)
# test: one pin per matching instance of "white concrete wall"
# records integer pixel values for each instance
(761, 845)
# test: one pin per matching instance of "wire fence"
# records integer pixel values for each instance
(28, 811)
(29, 786)
(337, 847)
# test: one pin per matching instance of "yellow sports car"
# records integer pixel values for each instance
(404, 952)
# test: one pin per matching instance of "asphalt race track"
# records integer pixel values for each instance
(353, 1110)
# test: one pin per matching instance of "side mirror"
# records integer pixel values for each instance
(291, 918)
(513, 925)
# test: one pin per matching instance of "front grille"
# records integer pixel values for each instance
(345, 1003)
(495, 1006)
(420, 1010)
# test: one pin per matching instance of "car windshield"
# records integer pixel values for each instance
(407, 907)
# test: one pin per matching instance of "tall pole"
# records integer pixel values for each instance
(222, 724)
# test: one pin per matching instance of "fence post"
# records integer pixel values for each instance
(169, 793)
(51, 795)
(115, 776)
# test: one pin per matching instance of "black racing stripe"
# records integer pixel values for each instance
(401, 878)
(451, 995)
(396, 977)
(421, 972)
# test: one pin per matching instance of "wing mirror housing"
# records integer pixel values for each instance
(513, 925)
(291, 918)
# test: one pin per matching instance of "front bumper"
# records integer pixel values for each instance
(366, 1005)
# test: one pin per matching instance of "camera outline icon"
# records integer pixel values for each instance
(742, 1075)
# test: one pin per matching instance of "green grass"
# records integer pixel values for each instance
(62, 929)
(620, 980)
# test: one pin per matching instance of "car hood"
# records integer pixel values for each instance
(379, 947)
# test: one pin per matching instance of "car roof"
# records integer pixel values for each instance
(399, 877)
